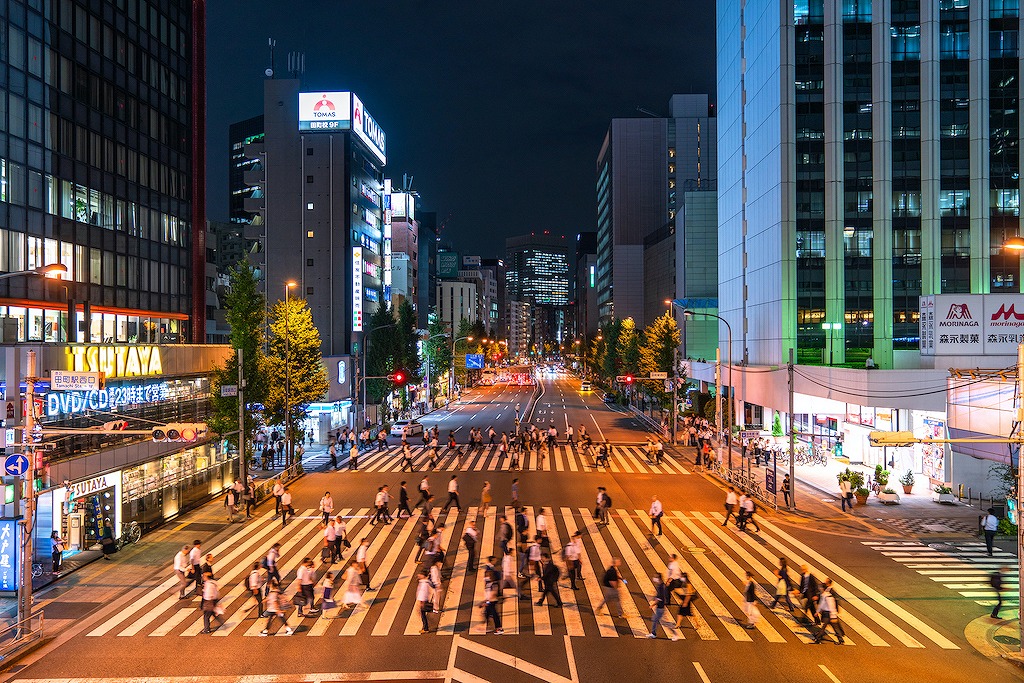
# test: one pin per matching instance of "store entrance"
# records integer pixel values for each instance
(95, 507)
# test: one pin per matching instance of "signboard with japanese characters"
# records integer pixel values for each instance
(971, 324)
(9, 559)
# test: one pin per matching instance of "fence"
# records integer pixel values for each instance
(20, 635)
(745, 482)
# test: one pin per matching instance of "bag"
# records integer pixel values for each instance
(299, 600)
(995, 581)
(107, 541)
(607, 501)
(467, 539)
(218, 610)
(345, 543)
(264, 564)
(325, 554)
(190, 575)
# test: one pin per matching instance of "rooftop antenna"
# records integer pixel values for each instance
(649, 113)
(271, 43)
(296, 63)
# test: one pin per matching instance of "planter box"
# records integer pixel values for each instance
(947, 498)
(861, 500)
(889, 498)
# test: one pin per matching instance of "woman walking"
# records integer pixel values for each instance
(56, 552)
(485, 498)
(353, 595)
(783, 585)
(211, 596)
(327, 601)
(689, 594)
(275, 609)
(107, 540)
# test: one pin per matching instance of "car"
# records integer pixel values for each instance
(585, 386)
(407, 427)
(609, 397)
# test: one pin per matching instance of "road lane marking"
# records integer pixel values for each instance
(449, 519)
(700, 672)
(453, 596)
(478, 626)
(633, 620)
(570, 605)
(829, 673)
(605, 624)
(355, 620)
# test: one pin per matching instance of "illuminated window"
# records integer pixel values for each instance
(309, 206)
(309, 233)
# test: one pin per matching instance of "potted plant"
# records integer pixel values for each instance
(889, 497)
(907, 480)
(944, 494)
(862, 495)
(881, 476)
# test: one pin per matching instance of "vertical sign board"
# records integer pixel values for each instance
(769, 481)
(10, 565)
(971, 324)
(357, 289)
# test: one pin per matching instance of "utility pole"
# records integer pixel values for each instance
(243, 463)
(27, 446)
(1020, 490)
(718, 399)
(675, 382)
(792, 436)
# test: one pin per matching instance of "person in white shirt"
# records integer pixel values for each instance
(470, 538)
(747, 509)
(656, 513)
(673, 574)
(306, 576)
(286, 506)
(255, 585)
(990, 524)
(730, 504)
(508, 572)
(195, 558)
(423, 588)
(181, 565)
(571, 553)
(273, 555)
(541, 523)
(453, 494)
(363, 561)
(278, 492)
(342, 534)
(533, 555)
(353, 456)
(211, 596)
(327, 506)
(331, 541)
(569, 440)
(437, 594)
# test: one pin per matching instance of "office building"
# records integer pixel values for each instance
(497, 310)
(537, 268)
(869, 164)
(643, 168)
(241, 134)
(102, 169)
(405, 245)
(518, 334)
(317, 203)
(456, 301)
(426, 275)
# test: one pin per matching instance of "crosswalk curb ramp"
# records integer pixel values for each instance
(870, 619)
(623, 459)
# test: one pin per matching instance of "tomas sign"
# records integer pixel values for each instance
(325, 111)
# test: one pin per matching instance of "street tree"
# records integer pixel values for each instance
(295, 361)
(381, 346)
(628, 347)
(657, 350)
(610, 360)
(246, 316)
(462, 347)
(407, 342)
(437, 352)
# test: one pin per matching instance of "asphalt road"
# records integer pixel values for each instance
(122, 619)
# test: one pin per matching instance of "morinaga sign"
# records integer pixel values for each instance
(971, 324)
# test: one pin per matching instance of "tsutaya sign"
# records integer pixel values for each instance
(115, 361)
(971, 324)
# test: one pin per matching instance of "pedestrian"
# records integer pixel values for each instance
(183, 570)
(730, 504)
(424, 489)
(569, 436)
(846, 494)
(327, 600)
(783, 585)
(549, 574)
(211, 596)
(990, 524)
(275, 608)
(331, 552)
(407, 457)
(107, 541)
(659, 601)
(56, 553)
(829, 613)
(504, 533)
(364, 562)
(278, 492)
(327, 506)
(508, 573)
(659, 451)
(656, 513)
(254, 584)
(270, 564)
(603, 504)
(749, 507)
(485, 498)
(689, 594)
(423, 591)
(453, 494)
(231, 504)
(750, 602)
(515, 492)
(809, 591)
(610, 587)
(382, 441)
(353, 456)
(541, 524)
(306, 577)
(997, 581)
(403, 501)
(249, 497)
(340, 535)
(195, 558)
(470, 538)
(207, 567)
(571, 552)
(353, 596)
(786, 487)
(490, 603)
(380, 504)
(286, 506)
(333, 451)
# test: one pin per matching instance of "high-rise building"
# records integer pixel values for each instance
(427, 271)
(318, 200)
(585, 285)
(643, 168)
(537, 268)
(405, 242)
(870, 154)
(102, 169)
(496, 319)
(241, 134)
(456, 301)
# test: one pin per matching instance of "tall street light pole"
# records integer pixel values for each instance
(426, 342)
(451, 380)
(288, 373)
(728, 359)
(366, 349)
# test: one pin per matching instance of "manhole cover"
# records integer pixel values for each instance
(694, 549)
(936, 528)
(945, 547)
(1007, 640)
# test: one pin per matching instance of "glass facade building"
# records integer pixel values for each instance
(537, 269)
(869, 154)
(98, 168)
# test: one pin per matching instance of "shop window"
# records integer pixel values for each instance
(95, 266)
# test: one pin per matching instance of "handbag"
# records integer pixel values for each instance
(299, 600)
(346, 543)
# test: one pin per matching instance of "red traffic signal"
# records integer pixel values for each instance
(398, 378)
(629, 379)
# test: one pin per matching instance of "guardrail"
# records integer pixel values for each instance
(265, 487)
(20, 634)
(745, 482)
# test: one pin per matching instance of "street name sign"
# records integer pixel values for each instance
(659, 375)
(63, 380)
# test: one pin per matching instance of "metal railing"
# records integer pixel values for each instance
(20, 634)
(745, 482)
(265, 487)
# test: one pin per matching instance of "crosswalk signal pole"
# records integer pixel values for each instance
(25, 593)
(792, 436)
(243, 467)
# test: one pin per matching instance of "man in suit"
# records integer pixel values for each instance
(809, 591)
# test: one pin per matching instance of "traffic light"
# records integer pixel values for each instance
(115, 426)
(186, 432)
(629, 379)
(892, 438)
(398, 378)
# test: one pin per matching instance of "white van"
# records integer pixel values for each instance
(585, 386)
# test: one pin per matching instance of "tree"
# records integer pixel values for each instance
(628, 347)
(437, 352)
(609, 360)
(461, 349)
(657, 350)
(380, 344)
(407, 342)
(246, 315)
(776, 425)
(295, 361)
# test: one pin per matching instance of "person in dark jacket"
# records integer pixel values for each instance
(549, 578)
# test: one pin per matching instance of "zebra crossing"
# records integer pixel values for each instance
(715, 558)
(964, 567)
(623, 459)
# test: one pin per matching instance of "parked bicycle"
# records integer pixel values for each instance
(130, 534)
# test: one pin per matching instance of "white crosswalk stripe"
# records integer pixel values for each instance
(714, 557)
(624, 459)
(964, 567)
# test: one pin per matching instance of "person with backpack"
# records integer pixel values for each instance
(504, 534)
(470, 538)
(491, 600)
(989, 525)
(659, 602)
(549, 574)
(604, 502)
(270, 564)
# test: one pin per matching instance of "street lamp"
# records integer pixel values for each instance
(44, 271)
(728, 328)
(366, 348)
(288, 373)
(451, 379)
(427, 341)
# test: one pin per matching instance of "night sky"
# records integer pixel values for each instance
(498, 110)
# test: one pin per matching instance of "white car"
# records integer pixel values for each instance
(407, 427)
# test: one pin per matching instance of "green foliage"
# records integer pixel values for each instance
(907, 479)
(246, 314)
(855, 478)
(407, 347)
(711, 406)
(657, 351)
(437, 352)
(861, 492)
(942, 489)
(777, 425)
(295, 360)
(628, 348)
(610, 361)
(1006, 528)
(381, 345)
(1006, 477)
(881, 475)
(461, 349)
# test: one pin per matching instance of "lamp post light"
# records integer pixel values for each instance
(366, 348)
(289, 441)
(451, 379)
(427, 341)
(728, 328)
